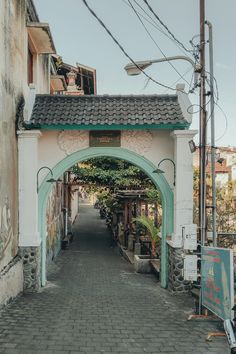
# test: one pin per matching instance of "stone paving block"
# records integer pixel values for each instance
(96, 303)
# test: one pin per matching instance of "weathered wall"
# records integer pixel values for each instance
(54, 217)
(13, 88)
(41, 73)
(12, 70)
(74, 203)
(11, 281)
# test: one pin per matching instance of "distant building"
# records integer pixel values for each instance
(225, 166)
(84, 76)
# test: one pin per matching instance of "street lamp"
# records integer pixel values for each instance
(158, 170)
(50, 180)
(137, 67)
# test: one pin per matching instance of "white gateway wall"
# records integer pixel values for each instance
(153, 145)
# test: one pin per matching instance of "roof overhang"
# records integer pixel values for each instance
(85, 67)
(160, 126)
(41, 41)
(58, 83)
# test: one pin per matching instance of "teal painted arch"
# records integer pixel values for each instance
(139, 161)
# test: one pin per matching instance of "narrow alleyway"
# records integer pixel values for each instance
(95, 303)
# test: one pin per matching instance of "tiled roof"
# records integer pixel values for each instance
(106, 110)
(219, 167)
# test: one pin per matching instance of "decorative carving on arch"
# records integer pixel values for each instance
(71, 141)
(139, 141)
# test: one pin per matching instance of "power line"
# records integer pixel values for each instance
(216, 91)
(226, 121)
(154, 41)
(121, 48)
(175, 82)
(200, 108)
(165, 26)
(154, 24)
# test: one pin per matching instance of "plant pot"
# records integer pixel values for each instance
(142, 264)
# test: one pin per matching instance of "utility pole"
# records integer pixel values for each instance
(203, 136)
(202, 129)
(213, 148)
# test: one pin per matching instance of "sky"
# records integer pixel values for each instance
(79, 38)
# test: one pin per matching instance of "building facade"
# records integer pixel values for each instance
(29, 65)
(24, 61)
(225, 166)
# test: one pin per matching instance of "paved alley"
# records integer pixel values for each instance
(95, 303)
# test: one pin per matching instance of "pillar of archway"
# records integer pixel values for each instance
(183, 206)
(29, 237)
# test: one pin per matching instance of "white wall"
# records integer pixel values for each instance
(74, 204)
(155, 145)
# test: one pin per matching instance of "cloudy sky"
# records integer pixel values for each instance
(79, 38)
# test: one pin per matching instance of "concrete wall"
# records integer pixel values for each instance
(13, 87)
(54, 217)
(11, 281)
(12, 68)
(74, 204)
(156, 145)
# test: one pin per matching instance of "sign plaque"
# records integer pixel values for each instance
(218, 281)
(104, 138)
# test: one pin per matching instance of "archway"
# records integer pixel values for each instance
(138, 160)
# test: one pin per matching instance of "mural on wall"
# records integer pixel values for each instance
(6, 232)
(73, 140)
(54, 218)
(8, 198)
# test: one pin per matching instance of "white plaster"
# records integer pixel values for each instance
(42, 76)
(29, 104)
(28, 198)
(184, 102)
(52, 151)
(183, 195)
(71, 141)
(11, 283)
(138, 141)
(74, 203)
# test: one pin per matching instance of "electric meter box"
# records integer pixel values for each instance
(189, 234)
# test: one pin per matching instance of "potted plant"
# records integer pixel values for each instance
(144, 264)
(152, 230)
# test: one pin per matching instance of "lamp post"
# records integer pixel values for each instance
(158, 170)
(51, 180)
(133, 69)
